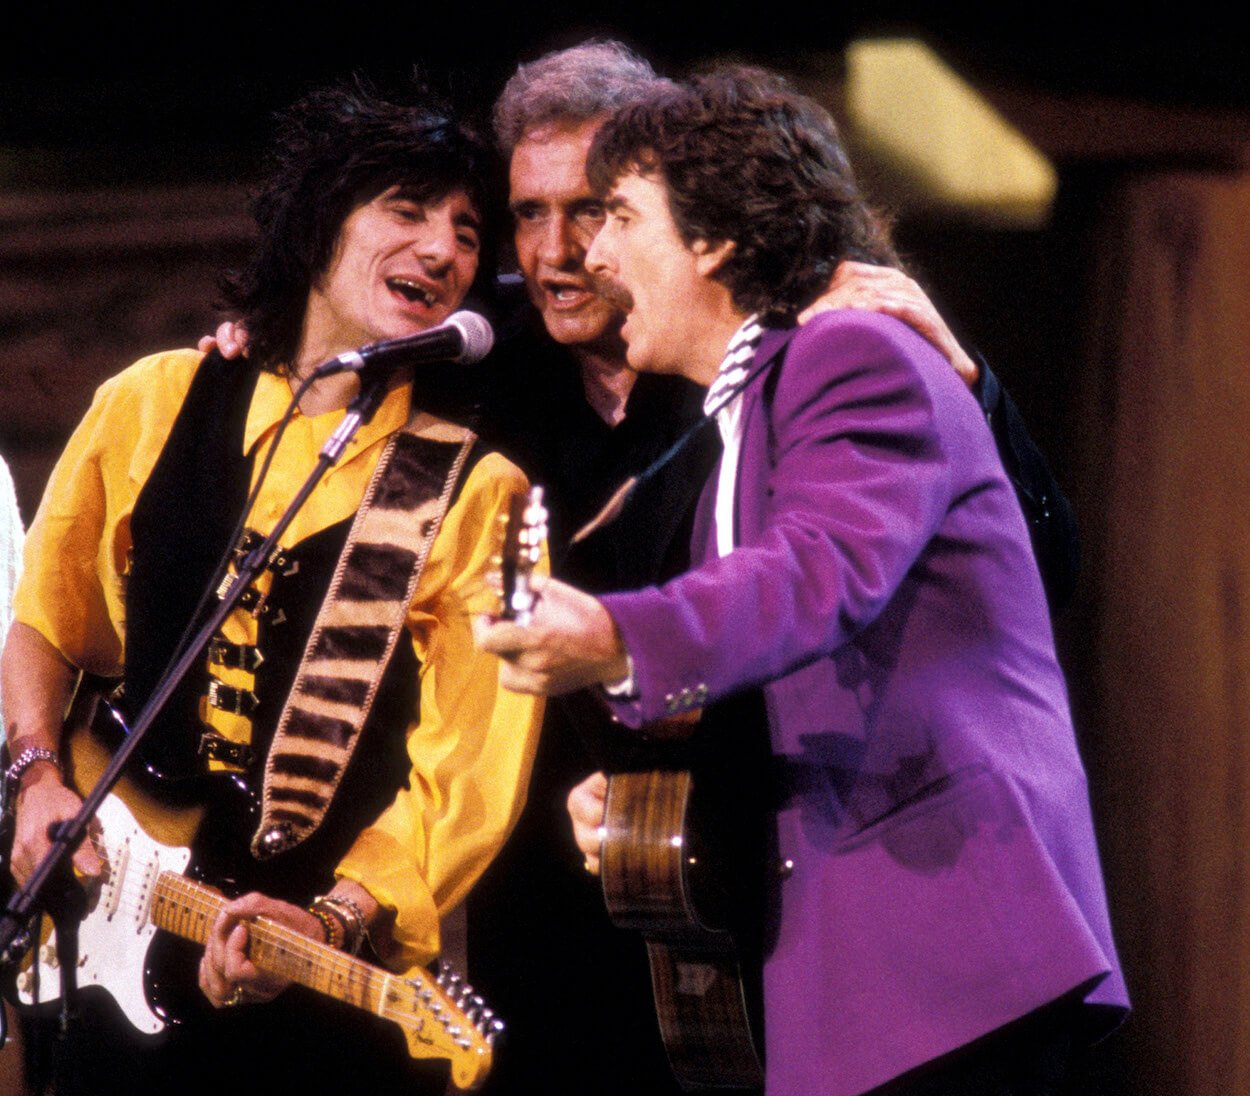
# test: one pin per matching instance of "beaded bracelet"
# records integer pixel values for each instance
(352, 917)
(329, 925)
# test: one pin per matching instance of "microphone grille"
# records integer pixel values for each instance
(477, 334)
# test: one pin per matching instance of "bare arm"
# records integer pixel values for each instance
(37, 686)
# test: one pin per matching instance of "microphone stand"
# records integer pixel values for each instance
(51, 885)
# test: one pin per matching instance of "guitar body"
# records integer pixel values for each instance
(114, 938)
(662, 879)
(145, 889)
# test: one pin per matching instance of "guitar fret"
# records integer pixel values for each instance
(184, 908)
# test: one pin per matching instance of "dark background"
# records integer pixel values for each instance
(95, 91)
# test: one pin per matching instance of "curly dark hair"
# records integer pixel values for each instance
(336, 149)
(745, 158)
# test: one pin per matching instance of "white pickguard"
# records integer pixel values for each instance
(113, 939)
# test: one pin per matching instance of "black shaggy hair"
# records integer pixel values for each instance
(336, 149)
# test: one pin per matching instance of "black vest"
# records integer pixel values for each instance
(182, 520)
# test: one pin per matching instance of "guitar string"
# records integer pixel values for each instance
(198, 899)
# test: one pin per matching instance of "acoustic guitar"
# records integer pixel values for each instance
(664, 876)
(695, 901)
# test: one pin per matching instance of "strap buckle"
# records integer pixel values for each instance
(216, 747)
(227, 698)
(236, 656)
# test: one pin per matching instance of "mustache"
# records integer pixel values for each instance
(613, 292)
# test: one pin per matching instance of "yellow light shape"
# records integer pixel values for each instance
(946, 146)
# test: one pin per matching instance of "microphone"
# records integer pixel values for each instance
(463, 337)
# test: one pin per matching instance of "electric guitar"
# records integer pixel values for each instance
(143, 890)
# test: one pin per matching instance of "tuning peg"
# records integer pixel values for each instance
(494, 1031)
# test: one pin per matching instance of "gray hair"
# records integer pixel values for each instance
(575, 84)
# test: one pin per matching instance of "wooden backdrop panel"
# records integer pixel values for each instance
(89, 282)
(1165, 499)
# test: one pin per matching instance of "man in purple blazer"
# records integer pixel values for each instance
(941, 926)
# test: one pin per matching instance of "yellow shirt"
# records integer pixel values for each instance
(472, 747)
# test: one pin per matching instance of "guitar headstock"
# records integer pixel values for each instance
(442, 1017)
(524, 536)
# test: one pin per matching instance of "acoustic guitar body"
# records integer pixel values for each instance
(664, 878)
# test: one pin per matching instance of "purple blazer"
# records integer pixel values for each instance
(884, 595)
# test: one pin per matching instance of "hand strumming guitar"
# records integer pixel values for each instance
(37, 687)
(586, 805)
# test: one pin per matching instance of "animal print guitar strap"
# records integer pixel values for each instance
(357, 627)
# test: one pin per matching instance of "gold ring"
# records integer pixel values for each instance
(235, 998)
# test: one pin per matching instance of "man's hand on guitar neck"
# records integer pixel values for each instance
(37, 687)
(228, 977)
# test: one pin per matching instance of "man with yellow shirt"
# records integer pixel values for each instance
(360, 809)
